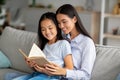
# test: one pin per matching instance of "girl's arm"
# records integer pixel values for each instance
(68, 62)
(29, 62)
(54, 69)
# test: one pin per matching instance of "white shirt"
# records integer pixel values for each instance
(84, 54)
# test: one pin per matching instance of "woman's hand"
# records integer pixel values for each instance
(54, 69)
(41, 69)
(29, 62)
(38, 68)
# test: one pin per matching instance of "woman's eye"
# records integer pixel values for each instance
(42, 29)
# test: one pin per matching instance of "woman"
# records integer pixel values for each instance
(82, 45)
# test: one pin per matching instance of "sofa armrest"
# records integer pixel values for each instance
(13, 39)
(107, 65)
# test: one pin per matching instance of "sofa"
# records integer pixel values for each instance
(106, 67)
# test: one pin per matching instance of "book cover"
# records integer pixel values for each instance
(37, 55)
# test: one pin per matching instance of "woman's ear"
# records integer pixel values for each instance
(74, 19)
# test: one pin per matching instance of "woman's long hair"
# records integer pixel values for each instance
(70, 11)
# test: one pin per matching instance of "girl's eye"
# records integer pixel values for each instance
(50, 28)
(64, 21)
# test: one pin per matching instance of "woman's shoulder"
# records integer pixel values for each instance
(88, 42)
(83, 40)
(87, 39)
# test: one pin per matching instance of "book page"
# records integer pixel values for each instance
(36, 52)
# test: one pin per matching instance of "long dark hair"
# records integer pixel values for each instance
(71, 12)
(41, 38)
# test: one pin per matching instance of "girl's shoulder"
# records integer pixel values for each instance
(63, 41)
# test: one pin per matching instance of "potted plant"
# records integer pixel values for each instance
(2, 2)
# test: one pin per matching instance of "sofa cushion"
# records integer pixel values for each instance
(13, 39)
(4, 61)
(107, 64)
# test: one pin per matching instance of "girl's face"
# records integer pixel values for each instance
(48, 29)
(66, 23)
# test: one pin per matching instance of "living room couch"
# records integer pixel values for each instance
(106, 67)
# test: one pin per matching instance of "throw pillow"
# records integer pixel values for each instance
(4, 61)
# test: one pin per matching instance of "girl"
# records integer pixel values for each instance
(57, 50)
(82, 45)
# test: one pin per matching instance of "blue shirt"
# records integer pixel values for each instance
(56, 52)
(84, 54)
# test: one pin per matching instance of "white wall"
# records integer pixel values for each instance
(58, 3)
(16, 3)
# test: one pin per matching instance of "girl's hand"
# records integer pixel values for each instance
(29, 62)
(54, 69)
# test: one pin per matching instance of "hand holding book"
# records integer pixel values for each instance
(30, 62)
(36, 55)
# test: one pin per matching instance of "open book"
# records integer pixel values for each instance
(36, 55)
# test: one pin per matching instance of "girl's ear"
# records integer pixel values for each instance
(74, 19)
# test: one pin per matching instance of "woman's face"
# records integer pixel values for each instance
(48, 29)
(66, 23)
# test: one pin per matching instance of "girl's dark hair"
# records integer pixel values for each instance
(41, 38)
(71, 12)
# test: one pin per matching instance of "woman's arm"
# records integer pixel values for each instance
(84, 68)
(54, 69)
